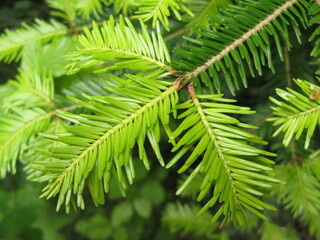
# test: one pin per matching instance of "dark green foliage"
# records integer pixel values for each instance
(184, 219)
(240, 40)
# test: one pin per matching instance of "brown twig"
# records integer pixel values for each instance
(175, 34)
(53, 113)
(191, 91)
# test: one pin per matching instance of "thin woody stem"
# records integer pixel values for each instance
(287, 65)
(191, 91)
(175, 34)
(52, 113)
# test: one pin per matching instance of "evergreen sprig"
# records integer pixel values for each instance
(86, 8)
(301, 193)
(233, 170)
(93, 136)
(32, 90)
(26, 112)
(18, 127)
(240, 39)
(160, 10)
(64, 9)
(123, 6)
(99, 146)
(13, 41)
(298, 112)
(119, 46)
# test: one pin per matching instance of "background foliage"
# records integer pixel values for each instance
(154, 83)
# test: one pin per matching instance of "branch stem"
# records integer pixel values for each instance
(175, 34)
(287, 64)
(52, 113)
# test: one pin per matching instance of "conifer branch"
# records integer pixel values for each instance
(99, 147)
(302, 113)
(159, 10)
(86, 8)
(18, 132)
(12, 41)
(126, 114)
(120, 46)
(239, 40)
(242, 39)
(112, 131)
(175, 34)
(218, 138)
(301, 192)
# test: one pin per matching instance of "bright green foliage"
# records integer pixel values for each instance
(215, 135)
(5, 91)
(99, 146)
(26, 112)
(64, 9)
(32, 90)
(86, 8)
(18, 127)
(302, 111)
(120, 46)
(32, 163)
(12, 42)
(69, 10)
(123, 6)
(46, 58)
(134, 101)
(160, 10)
